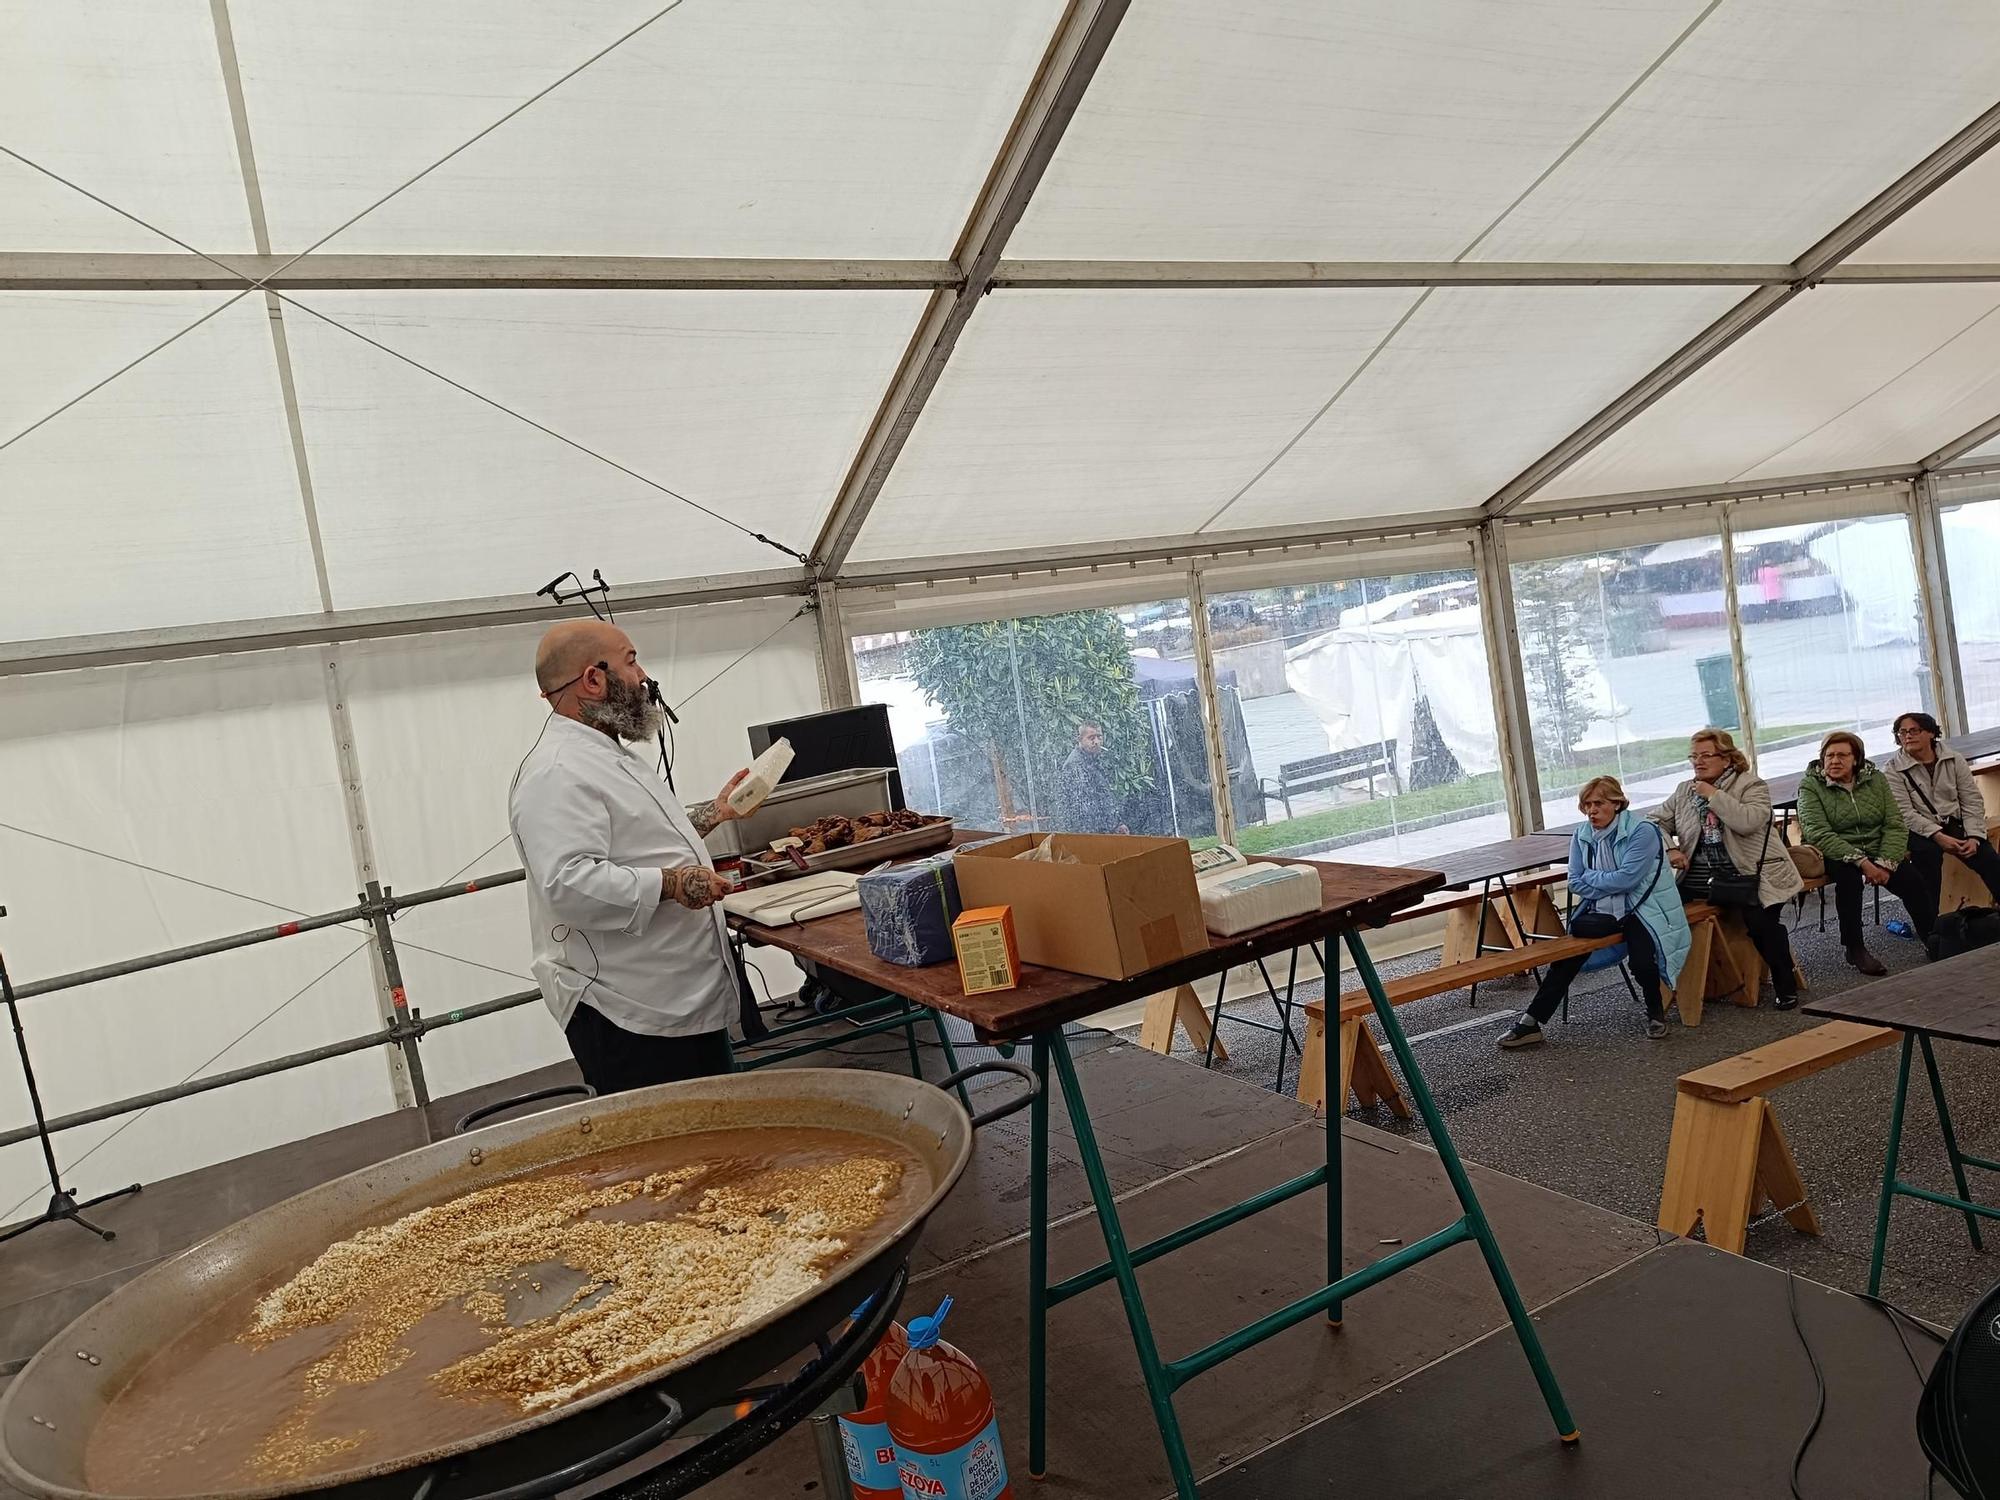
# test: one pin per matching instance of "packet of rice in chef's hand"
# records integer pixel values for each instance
(1046, 853)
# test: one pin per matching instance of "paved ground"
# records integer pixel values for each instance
(1589, 1113)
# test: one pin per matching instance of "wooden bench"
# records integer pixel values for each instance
(1319, 772)
(1364, 1074)
(1362, 1070)
(1182, 1009)
(1727, 1153)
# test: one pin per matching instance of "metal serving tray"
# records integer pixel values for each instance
(853, 856)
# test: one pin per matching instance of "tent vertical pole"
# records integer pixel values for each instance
(1510, 684)
(838, 687)
(1211, 710)
(1739, 662)
(1940, 625)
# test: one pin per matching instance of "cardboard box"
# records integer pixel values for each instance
(1127, 904)
(988, 958)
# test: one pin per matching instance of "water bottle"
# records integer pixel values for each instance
(864, 1435)
(941, 1420)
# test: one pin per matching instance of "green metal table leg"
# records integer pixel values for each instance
(1159, 1387)
(1038, 1263)
(1889, 1169)
(1496, 1265)
(910, 1036)
(950, 1057)
(1334, 1114)
(1950, 1137)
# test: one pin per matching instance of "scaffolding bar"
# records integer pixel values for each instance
(363, 911)
(416, 1027)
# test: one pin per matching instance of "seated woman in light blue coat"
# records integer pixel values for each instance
(1619, 874)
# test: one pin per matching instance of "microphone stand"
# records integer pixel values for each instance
(62, 1201)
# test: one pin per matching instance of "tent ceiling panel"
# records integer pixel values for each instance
(1287, 129)
(1987, 450)
(1843, 377)
(760, 127)
(1773, 121)
(166, 498)
(749, 403)
(1068, 417)
(1473, 388)
(124, 98)
(1958, 222)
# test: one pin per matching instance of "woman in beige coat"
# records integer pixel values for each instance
(1721, 821)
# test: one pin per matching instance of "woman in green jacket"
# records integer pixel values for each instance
(1848, 812)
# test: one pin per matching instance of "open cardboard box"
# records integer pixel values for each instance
(1127, 905)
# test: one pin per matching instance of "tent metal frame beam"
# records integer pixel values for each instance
(1079, 45)
(1711, 494)
(1165, 275)
(177, 643)
(1810, 269)
(1174, 551)
(1961, 445)
(177, 271)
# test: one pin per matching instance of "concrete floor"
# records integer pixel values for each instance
(1589, 1112)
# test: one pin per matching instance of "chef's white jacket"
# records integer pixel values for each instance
(594, 825)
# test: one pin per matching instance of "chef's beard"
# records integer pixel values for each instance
(626, 710)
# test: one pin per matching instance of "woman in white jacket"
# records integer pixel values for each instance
(1721, 821)
(1940, 802)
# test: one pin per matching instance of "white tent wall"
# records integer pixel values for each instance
(152, 806)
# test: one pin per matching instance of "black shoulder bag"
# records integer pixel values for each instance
(1729, 888)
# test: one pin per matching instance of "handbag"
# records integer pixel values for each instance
(1728, 887)
(1963, 930)
(1811, 864)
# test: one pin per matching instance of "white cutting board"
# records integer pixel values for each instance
(821, 894)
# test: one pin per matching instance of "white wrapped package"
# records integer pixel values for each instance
(1238, 895)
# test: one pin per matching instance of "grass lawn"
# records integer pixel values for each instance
(1482, 793)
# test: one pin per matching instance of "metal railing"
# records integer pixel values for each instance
(404, 1027)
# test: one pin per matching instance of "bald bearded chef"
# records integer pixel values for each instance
(630, 948)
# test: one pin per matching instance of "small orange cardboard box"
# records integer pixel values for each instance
(987, 957)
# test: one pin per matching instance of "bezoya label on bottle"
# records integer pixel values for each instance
(973, 1471)
(871, 1455)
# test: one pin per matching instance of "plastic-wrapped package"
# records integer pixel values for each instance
(908, 911)
(1238, 895)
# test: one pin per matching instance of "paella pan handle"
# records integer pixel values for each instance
(582, 1471)
(561, 1091)
(998, 1065)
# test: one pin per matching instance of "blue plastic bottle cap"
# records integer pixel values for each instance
(924, 1331)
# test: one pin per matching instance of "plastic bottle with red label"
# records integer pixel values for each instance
(941, 1418)
(864, 1436)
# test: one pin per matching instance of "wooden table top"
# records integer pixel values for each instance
(1957, 998)
(1464, 867)
(1350, 896)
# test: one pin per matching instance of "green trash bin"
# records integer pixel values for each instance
(1718, 690)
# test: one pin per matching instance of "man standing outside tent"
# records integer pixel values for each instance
(630, 949)
(1087, 802)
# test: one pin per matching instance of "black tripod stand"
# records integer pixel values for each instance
(62, 1202)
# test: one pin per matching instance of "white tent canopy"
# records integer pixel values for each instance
(334, 332)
